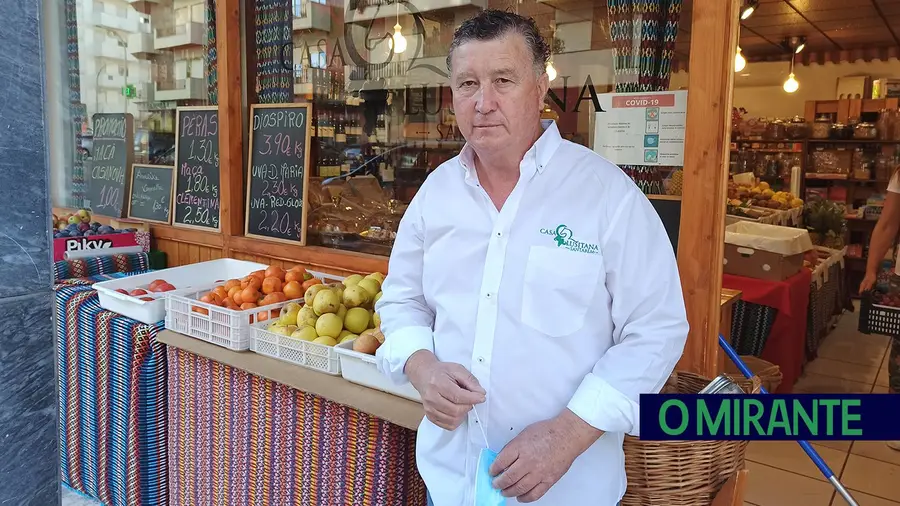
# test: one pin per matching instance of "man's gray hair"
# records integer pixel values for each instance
(491, 24)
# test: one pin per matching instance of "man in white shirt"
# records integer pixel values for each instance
(531, 279)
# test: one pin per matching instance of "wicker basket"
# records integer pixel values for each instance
(682, 473)
(768, 373)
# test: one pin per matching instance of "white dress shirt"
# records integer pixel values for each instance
(568, 296)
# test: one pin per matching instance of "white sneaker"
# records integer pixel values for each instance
(894, 445)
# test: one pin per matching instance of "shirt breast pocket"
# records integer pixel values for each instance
(559, 287)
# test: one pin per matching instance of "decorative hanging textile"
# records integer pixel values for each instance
(274, 31)
(212, 64)
(77, 191)
(643, 34)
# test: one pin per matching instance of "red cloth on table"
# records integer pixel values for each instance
(787, 340)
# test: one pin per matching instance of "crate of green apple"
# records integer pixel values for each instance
(307, 332)
(77, 231)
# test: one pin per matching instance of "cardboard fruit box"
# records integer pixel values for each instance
(767, 252)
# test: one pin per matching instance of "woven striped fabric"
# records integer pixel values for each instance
(112, 402)
(274, 31)
(212, 66)
(239, 440)
(92, 266)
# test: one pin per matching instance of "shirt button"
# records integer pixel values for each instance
(488, 295)
(499, 234)
(480, 360)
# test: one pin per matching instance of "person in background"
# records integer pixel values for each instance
(532, 290)
(882, 240)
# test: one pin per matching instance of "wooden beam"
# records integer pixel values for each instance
(706, 152)
(231, 119)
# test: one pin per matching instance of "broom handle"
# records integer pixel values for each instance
(810, 451)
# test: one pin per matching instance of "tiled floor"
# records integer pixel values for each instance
(780, 472)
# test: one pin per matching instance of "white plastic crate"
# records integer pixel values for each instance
(360, 368)
(224, 327)
(303, 353)
(187, 278)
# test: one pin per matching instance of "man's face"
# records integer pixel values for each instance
(497, 97)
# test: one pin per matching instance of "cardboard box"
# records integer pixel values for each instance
(767, 252)
(759, 264)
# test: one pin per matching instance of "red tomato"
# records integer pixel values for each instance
(166, 287)
(122, 290)
(148, 298)
(137, 291)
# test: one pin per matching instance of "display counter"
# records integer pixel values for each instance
(248, 429)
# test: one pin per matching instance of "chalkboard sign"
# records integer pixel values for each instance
(278, 172)
(151, 193)
(669, 211)
(111, 154)
(197, 168)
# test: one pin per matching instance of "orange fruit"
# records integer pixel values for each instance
(232, 283)
(236, 296)
(201, 310)
(279, 296)
(274, 271)
(251, 280)
(310, 282)
(261, 274)
(220, 291)
(229, 303)
(234, 289)
(271, 298)
(249, 294)
(271, 284)
(293, 275)
(247, 305)
(293, 290)
(262, 316)
(207, 298)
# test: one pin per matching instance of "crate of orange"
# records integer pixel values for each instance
(223, 314)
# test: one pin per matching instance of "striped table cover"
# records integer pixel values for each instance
(237, 439)
(112, 404)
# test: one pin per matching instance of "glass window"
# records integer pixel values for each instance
(134, 58)
(383, 114)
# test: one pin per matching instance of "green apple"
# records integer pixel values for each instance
(327, 341)
(352, 280)
(357, 320)
(329, 325)
(307, 316)
(305, 333)
(371, 286)
(326, 301)
(311, 293)
(342, 311)
(355, 296)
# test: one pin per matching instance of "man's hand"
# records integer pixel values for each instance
(448, 390)
(540, 455)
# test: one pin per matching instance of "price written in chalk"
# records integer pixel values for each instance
(197, 159)
(277, 172)
(151, 192)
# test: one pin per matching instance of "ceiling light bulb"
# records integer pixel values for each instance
(749, 9)
(551, 72)
(398, 40)
(791, 85)
(800, 48)
(739, 61)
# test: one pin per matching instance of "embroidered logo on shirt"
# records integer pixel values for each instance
(563, 236)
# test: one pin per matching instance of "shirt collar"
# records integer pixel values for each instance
(541, 150)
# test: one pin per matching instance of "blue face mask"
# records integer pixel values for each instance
(485, 493)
